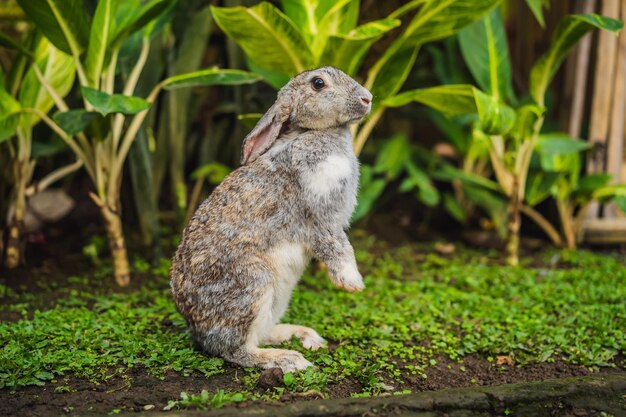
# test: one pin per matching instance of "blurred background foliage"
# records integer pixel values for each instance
(469, 130)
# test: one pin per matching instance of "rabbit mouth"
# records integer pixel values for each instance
(360, 111)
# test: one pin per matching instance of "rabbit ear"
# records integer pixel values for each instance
(266, 130)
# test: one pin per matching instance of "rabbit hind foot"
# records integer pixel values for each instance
(283, 332)
(286, 360)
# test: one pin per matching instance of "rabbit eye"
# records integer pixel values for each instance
(318, 83)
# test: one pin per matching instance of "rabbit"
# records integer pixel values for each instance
(247, 245)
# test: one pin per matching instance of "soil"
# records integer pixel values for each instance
(137, 390)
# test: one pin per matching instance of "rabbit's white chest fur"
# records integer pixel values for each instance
(328, 175)
(331, 185)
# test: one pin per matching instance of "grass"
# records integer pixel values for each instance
(416, 307)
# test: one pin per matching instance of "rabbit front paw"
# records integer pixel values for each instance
(349, 278)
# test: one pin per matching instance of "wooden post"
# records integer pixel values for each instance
(616, 135)
(602, 98)
(580, 73)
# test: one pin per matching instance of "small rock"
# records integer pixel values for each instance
(271, 378)
(445, 248)
(148, 407)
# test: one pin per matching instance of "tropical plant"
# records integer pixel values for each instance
(186, 42)
(313, 33)
(162, 146)
(23, 98)
(398, 159)
(102, 131)
(511, 133)
(555, 172)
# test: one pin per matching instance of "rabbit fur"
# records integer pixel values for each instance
(247, 245)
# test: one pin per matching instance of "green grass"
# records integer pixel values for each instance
(417, 306)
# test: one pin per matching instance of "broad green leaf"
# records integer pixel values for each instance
(426, 191)
(267, 36)
(99, 39)
(407, 8)
(276, 79)
(332, 18)
(350, 16)
(536, 7)
(21, 61)
(75, 121)
(450, 173)
(135, 17)
(567, 163)
(57, 68)
(105, 103)
(620, 201)
(317, 17)
(526, 117)
(211, 76)
(558, 143)
(436, 19)
(496, 118)
(590, 183)
(451, 100)
(539, 186)
(455, 100)
(141, 169)
(392, 157)
(454, 208)
(302, 14)
(610, 192)
(454, 131)
(492, 203)
(486, 53)
(347, 51)
(64, 22)
(568, 33)
(9, 115)
(8, 42)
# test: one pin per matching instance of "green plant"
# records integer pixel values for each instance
(418, 310)
(397, 159)
(323, 32)
(24, 89)
(202, 401)
(512, 134)
(555, 171)
(102, 131)
(185, 44)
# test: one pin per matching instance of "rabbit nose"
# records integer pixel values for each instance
(366, 100)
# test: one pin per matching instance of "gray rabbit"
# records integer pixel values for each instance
(247, 245)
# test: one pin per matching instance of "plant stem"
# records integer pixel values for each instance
(69, 141)
(566, 223)
(58, 100)
(544, 224)
(53, 177)
(129, 137)
(513, 226)
(366, 130)
(115, 235)
(22, 173)
(580, 217)
(129, 88)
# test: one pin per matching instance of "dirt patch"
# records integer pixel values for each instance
(136, 390)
